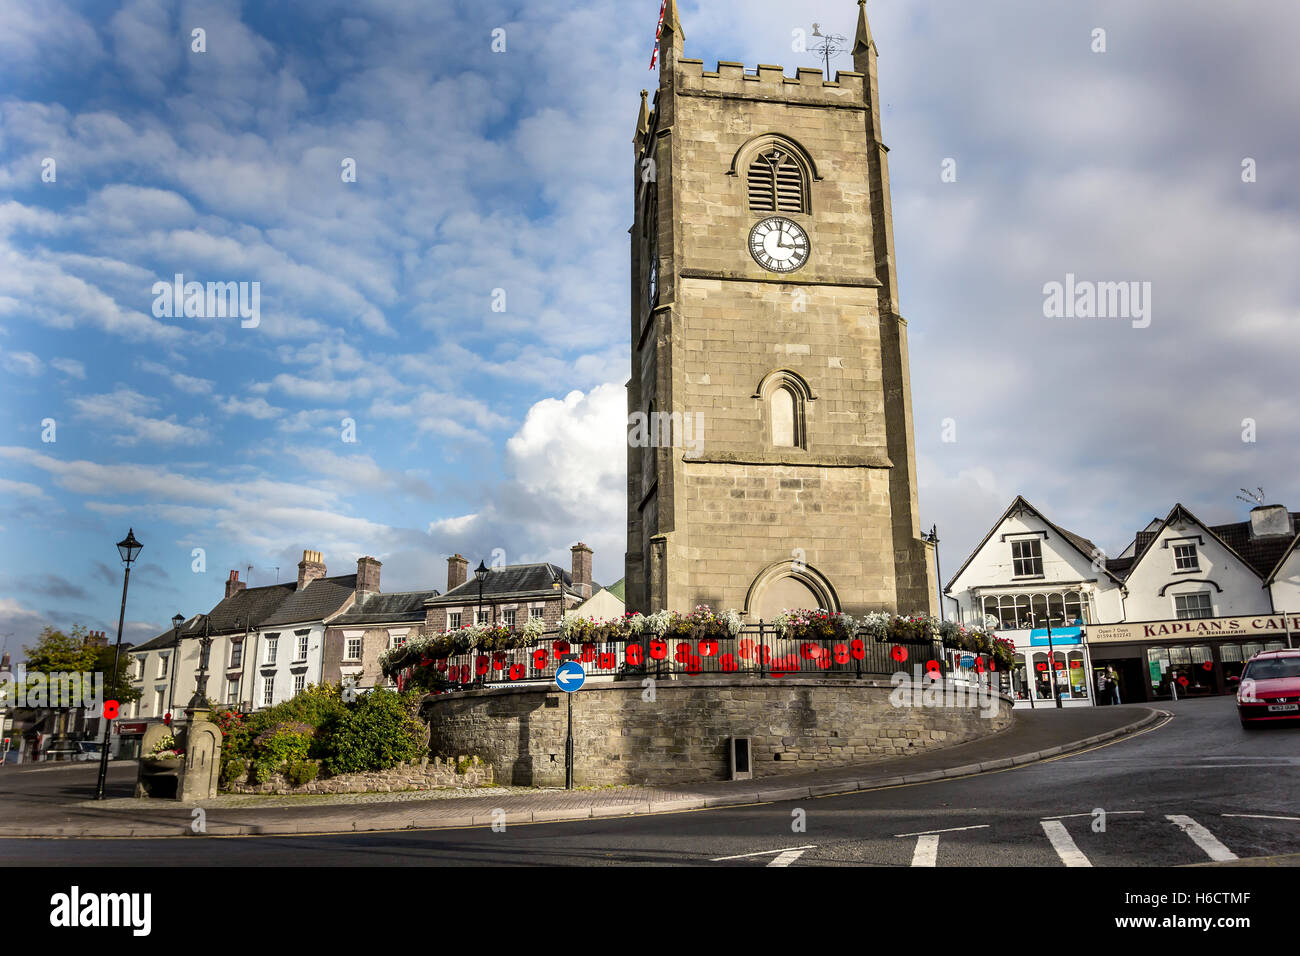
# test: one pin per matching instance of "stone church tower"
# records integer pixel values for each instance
(771, 461)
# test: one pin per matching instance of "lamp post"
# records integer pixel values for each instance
(480, 573)
(129, 549)
(177, 621)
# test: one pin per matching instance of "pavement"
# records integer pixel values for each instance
(53, 801)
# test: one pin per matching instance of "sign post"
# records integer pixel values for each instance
(569, 678)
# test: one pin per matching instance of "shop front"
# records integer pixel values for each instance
(1164, 660)
(1050, 666)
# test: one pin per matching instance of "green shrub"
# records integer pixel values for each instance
(380, 730)
(262, 770)
(300, 772)
(234, 769)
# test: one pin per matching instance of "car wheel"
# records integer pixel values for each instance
(1248, 725)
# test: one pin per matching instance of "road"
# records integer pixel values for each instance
(1195, 789)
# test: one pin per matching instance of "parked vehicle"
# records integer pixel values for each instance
(1270, 688)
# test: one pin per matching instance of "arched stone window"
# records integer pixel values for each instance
(785, 396)
(778, 172)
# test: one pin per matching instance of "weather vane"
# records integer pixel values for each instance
(832, 45)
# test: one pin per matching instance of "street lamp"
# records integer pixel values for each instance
(177, 621)
(480, 573)
(129, 549)
(1051, 659)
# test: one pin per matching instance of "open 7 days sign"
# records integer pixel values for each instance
(1267, 626)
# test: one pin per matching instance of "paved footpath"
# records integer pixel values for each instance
(63, 810)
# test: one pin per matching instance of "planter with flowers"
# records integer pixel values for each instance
(814, 625)
(165, 757)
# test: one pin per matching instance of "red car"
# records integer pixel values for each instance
(1270, 688)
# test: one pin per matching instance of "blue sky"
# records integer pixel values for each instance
(480, 430)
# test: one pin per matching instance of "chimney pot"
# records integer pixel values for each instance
(233, 584)
(1268, 521)
(311, 567)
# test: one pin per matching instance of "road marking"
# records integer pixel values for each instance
(742, 856)
(927, 850)
(1202, 837)
(1259, 816)
(1064, 844)
(981, 826)
(1109, 813)
(788, 857)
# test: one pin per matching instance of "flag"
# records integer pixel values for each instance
(655, 55)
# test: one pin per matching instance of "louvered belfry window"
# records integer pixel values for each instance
(776, 183)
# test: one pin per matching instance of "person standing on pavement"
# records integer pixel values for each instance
(1112, 679)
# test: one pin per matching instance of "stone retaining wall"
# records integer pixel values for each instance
(682, 735)
(420, 775)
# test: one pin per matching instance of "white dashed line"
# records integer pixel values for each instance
(1202, 837)
(927, 850)
(980, 826)
(1064, 844)
(742, 856)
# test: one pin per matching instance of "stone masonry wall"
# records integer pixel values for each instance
(682, 736)
(422, 775)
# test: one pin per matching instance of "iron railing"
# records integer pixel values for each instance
(757, 651)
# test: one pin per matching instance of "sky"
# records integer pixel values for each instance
(442, 344)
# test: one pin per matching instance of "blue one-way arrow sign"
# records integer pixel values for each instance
(570, 676)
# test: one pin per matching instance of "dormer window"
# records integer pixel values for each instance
(1027, 558)
(1185, 558)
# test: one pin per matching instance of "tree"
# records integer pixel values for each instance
(57, 652)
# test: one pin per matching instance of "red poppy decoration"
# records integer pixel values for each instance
(746, 649)
(539, 658)
(588, 654)
(464, 673)
(111, 709)
(442, 665)
(516, 671)
(857, 649)
(841, 653)
(1041, 667)
(728, 663)
(560, 647)
(1060, 665)
(683, 653)
(708, 648)
(608, 660)
(1183, 681)
(426, 661)
(658, 650)
(481, 664)
(808, 651)
(824, 658)
(693, 664)
(899, 653)
(499, 662)
(932, 667)
(635, 654)
(1208, 666)
(979, 665)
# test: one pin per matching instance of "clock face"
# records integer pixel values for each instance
(778, 244)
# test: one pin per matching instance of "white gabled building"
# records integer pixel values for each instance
(1178, 612)
(1026, 572)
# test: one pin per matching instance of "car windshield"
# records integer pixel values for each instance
(1271, 668)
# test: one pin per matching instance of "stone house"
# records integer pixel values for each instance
(355, 639)
(511, 594)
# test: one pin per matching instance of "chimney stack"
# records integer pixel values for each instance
(310, 568)
(368, 575)
(582, 569)
(457, 568)
(96, 639)
(1269, 521)
(233, 584)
